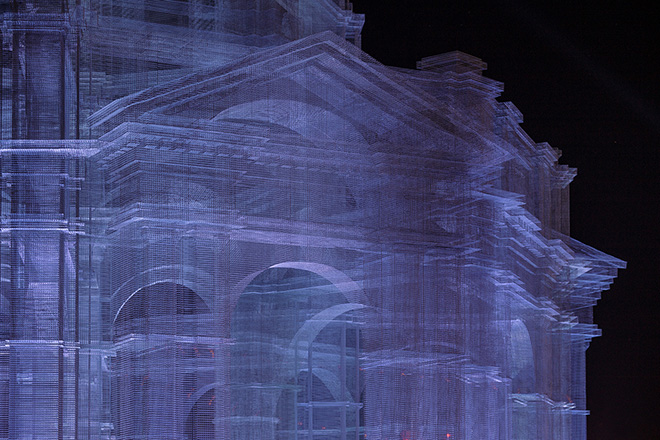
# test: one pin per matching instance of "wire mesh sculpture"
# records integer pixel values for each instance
(223, 220)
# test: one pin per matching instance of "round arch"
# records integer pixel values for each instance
(308, 333)
(311, 329)
(348, 288)
(330, 380)
(199, 419)
(198, 395)
(305, 119)
(176, 286)
(515, 341)
(194, 279)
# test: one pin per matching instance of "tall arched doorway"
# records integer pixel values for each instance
(295, 361)
(156, 334)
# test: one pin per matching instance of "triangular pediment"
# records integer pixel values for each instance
(322, 88)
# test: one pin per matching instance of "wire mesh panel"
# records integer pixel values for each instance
(269, 235)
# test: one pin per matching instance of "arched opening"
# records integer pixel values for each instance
(521, 358)
(199, 423)
(289, 322)
(160, 357)
(161, 308)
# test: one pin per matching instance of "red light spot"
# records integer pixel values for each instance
(448, 435)
(212, 353)
(322, 427)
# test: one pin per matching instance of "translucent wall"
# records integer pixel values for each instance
(269, 235)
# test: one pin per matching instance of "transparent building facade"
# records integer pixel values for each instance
(221, 219)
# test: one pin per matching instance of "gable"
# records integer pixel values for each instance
(322, 88)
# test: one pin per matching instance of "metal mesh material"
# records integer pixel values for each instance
(223, 220)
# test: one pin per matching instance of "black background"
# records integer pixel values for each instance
(586, 78)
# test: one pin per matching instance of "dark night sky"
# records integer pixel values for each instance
(586, 79)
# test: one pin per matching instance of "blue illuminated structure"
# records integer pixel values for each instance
(221, 219)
